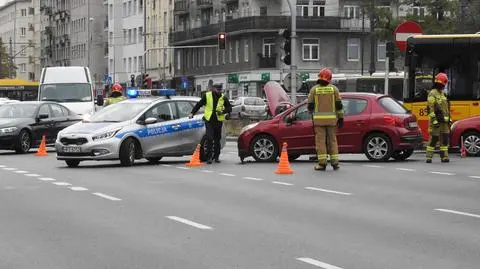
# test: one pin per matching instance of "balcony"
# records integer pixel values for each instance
(180, 7)
(254, 24)
(267, 61)
(202, 4)
(355, 24)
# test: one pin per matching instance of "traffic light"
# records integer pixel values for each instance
(146, 81)
(245, 88)
(222, 39)
(391, 56)
(132, 80)
(286, 46)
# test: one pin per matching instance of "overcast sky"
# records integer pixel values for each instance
(2, 2)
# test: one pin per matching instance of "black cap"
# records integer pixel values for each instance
(218, 86)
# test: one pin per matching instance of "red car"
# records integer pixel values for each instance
(469, 130)
(374, 124)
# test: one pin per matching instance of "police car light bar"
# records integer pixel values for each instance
(134, 92)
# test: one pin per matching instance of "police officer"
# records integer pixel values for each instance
(216, 106)
(325, 103)
(116, 95)
(439, 118)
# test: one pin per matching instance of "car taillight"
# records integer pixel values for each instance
(392, 120)
(243, 108)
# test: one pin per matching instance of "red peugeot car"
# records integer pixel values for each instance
(468, 130)
(374, 124)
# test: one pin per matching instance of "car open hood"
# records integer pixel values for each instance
(277, 97)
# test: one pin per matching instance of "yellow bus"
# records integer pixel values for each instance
(17, 89)
(456, 55)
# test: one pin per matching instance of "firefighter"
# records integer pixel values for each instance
(116, 95)
(217, 106)
(325, 104)
(439, 118)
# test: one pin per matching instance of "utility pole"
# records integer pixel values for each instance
(145, 35)
(10, 60)
(373, 41)
(293, 56)
(362, 45)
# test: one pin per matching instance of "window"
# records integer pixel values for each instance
(57, 111)
(134, 39)
(134, 9)
(140, 34)
(161, 112)
(24, 12)
(125, 9)
(353, 49)
(268, 47)
(135, 65)
(44, 110)
(302, 7)
(318, 9)
(129, 65)
(179, 58)
(246, 51)
(354, 106)
(184, 109)
(351, 12)
(392, 106)
(130, 11)
(130, 36)
(31, 11)
(230, 52)
(381, 51)
(140, 63)
(125, 37)
(23, 68)
(23, 50)
(310, 49)
(23, 31)
(419, 12)
(140, 6)
(204, 56)
(302, 114)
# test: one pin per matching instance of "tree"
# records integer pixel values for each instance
(470, 21)
(5, 63)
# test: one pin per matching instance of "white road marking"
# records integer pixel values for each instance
(167, 165)
(191, 223)
(46, 179)
(78, 189)
(441, 173)
(458, 212)
(32, 175)
(21, 172)
(372, 166)
(231, 152)
(253, 178)
(476, 177)
(9, 168)
(328, 191)
(180, 167)
(227, 175)
(207, 171)
(62, 183)
(406, 169)
(2, 166)
(318, 263)
(282, 183)
(106, 196)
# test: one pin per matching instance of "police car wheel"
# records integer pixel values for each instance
(128, 152)
(154, 160)
(72, 163)
(378, 148)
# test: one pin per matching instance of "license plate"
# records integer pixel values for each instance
(413, 124)
(71, 149)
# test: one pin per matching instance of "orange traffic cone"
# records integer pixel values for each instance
(463, 151)
(284, 165)
(195, 160)
(42, 150)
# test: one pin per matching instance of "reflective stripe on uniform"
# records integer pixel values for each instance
(430, 148)
(334, 157)
(444, 148)
(322, 156)
(209, 107)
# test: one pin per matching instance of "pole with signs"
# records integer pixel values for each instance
(293, 66)
(387, 73)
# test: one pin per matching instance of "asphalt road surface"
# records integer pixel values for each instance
(228, 215)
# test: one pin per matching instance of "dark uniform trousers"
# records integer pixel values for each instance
(213, 137)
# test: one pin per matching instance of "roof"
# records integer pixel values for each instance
(17, 82)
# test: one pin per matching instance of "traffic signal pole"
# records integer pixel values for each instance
(293, 57)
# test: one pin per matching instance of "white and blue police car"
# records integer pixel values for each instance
(150, 124)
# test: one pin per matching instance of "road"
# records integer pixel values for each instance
(228, 215)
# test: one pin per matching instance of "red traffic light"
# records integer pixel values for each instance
(221, 36)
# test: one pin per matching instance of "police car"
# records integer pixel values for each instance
(150, 124)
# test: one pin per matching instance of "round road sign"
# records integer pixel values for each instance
(404, 31)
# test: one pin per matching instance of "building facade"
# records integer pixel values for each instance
(159, 57)
(125, 27)
(17, 31)
(331, 33)
(73, 34)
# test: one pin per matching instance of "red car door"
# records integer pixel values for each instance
(356, 122)
(298, 132)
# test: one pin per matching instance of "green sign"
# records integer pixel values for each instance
(304, 76)
(265, 77)
(232, 78)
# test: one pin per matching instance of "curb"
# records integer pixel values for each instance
(232, 139)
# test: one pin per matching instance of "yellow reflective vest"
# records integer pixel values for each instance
(437, 104)
(209, 107)
(324, 98)
(113, 100)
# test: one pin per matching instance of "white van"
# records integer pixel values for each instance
(70, 86)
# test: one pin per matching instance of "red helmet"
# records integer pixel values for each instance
(441, 78)
(117, 88)
(325, 74)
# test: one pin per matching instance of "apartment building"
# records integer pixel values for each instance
(125, 48)
(159, 57)
(331, 33)
(74, 34)
(17, 31)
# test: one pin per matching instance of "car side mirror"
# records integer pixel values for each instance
(100, 100)
(290, 119)
(150, 121)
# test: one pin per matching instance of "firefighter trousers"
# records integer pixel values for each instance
(326, 144)
(432, 143)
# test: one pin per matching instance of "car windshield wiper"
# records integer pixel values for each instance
(51, 99)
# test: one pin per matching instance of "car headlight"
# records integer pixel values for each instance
(105, 135)
(248, 127)
(8, 130)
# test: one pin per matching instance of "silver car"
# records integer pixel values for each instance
(133, 129)
(249, 107)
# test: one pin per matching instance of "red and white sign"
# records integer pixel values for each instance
(404, 31)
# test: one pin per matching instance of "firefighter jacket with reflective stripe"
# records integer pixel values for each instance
(113, 100)
(219, 109)
(326, 100)
(438, 110)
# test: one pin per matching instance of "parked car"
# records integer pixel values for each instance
(467, 130)
(4, 101)
(374, 124)
(23, 124)
(249, 107)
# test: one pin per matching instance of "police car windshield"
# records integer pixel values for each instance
(118, 112)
